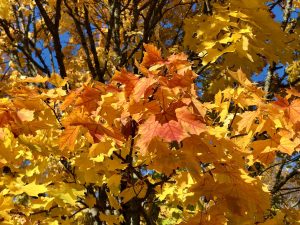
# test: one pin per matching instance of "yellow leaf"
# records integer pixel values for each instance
(105, 147)
(139, 190)
(288, 146)
(68, 193)
(6, 204)
(90, 201)
(277, 220)
(56, 80)
(32, 189)
(110, 219)
(114, 183)
(113, 201)
(4, 9)
(114, 164)
(247, 120)
(44, 203)
(219, 132)
(36, 79)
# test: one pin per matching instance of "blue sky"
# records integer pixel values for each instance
(260, 77)
(278, 17)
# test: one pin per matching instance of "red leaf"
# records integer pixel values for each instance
(68, 138)
(172, 131)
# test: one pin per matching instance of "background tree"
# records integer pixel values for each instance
(138, 112)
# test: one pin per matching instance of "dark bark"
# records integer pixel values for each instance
(53, 28)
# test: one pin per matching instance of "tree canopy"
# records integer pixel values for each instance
(149, 112)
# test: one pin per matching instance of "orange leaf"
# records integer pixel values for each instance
(25, 115)
(178, 80)
(247, 120)
(68, 138)
(152, 55)
(147, 131)
(89, 98)
(189, 121)
(293, 111)
(69, 100)
(96, 129)
(126, 78)
(141, 87)
(241, 78)
(36, 79)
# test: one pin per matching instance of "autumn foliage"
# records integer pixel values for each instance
(175, 134)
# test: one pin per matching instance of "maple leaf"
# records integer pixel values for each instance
(178, 80)
(5, 118)
(71, 97)
(287, 145)
(292, 92)
(113, 201)
(147, 131)
(82, 142)
(166, 105)
(281, 102)
(189, 121)
(180, 63)
(276, 220)
(172, 131)
(257, 93)
(57, 80)
(211, 216)
(264, 150)
(88, 98)
(96, 129)
(115, 164)
(110, 219)
(106, 147)
(32, 189)
(126, 78)
(69, 193)
(247, 120)
(141, 87)
(113, 183)
(6, 204)
(138, 190)
(293, 111)
(90, 201)
(69, 137)
(162, 152)
(36, 79)
(151, 56)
